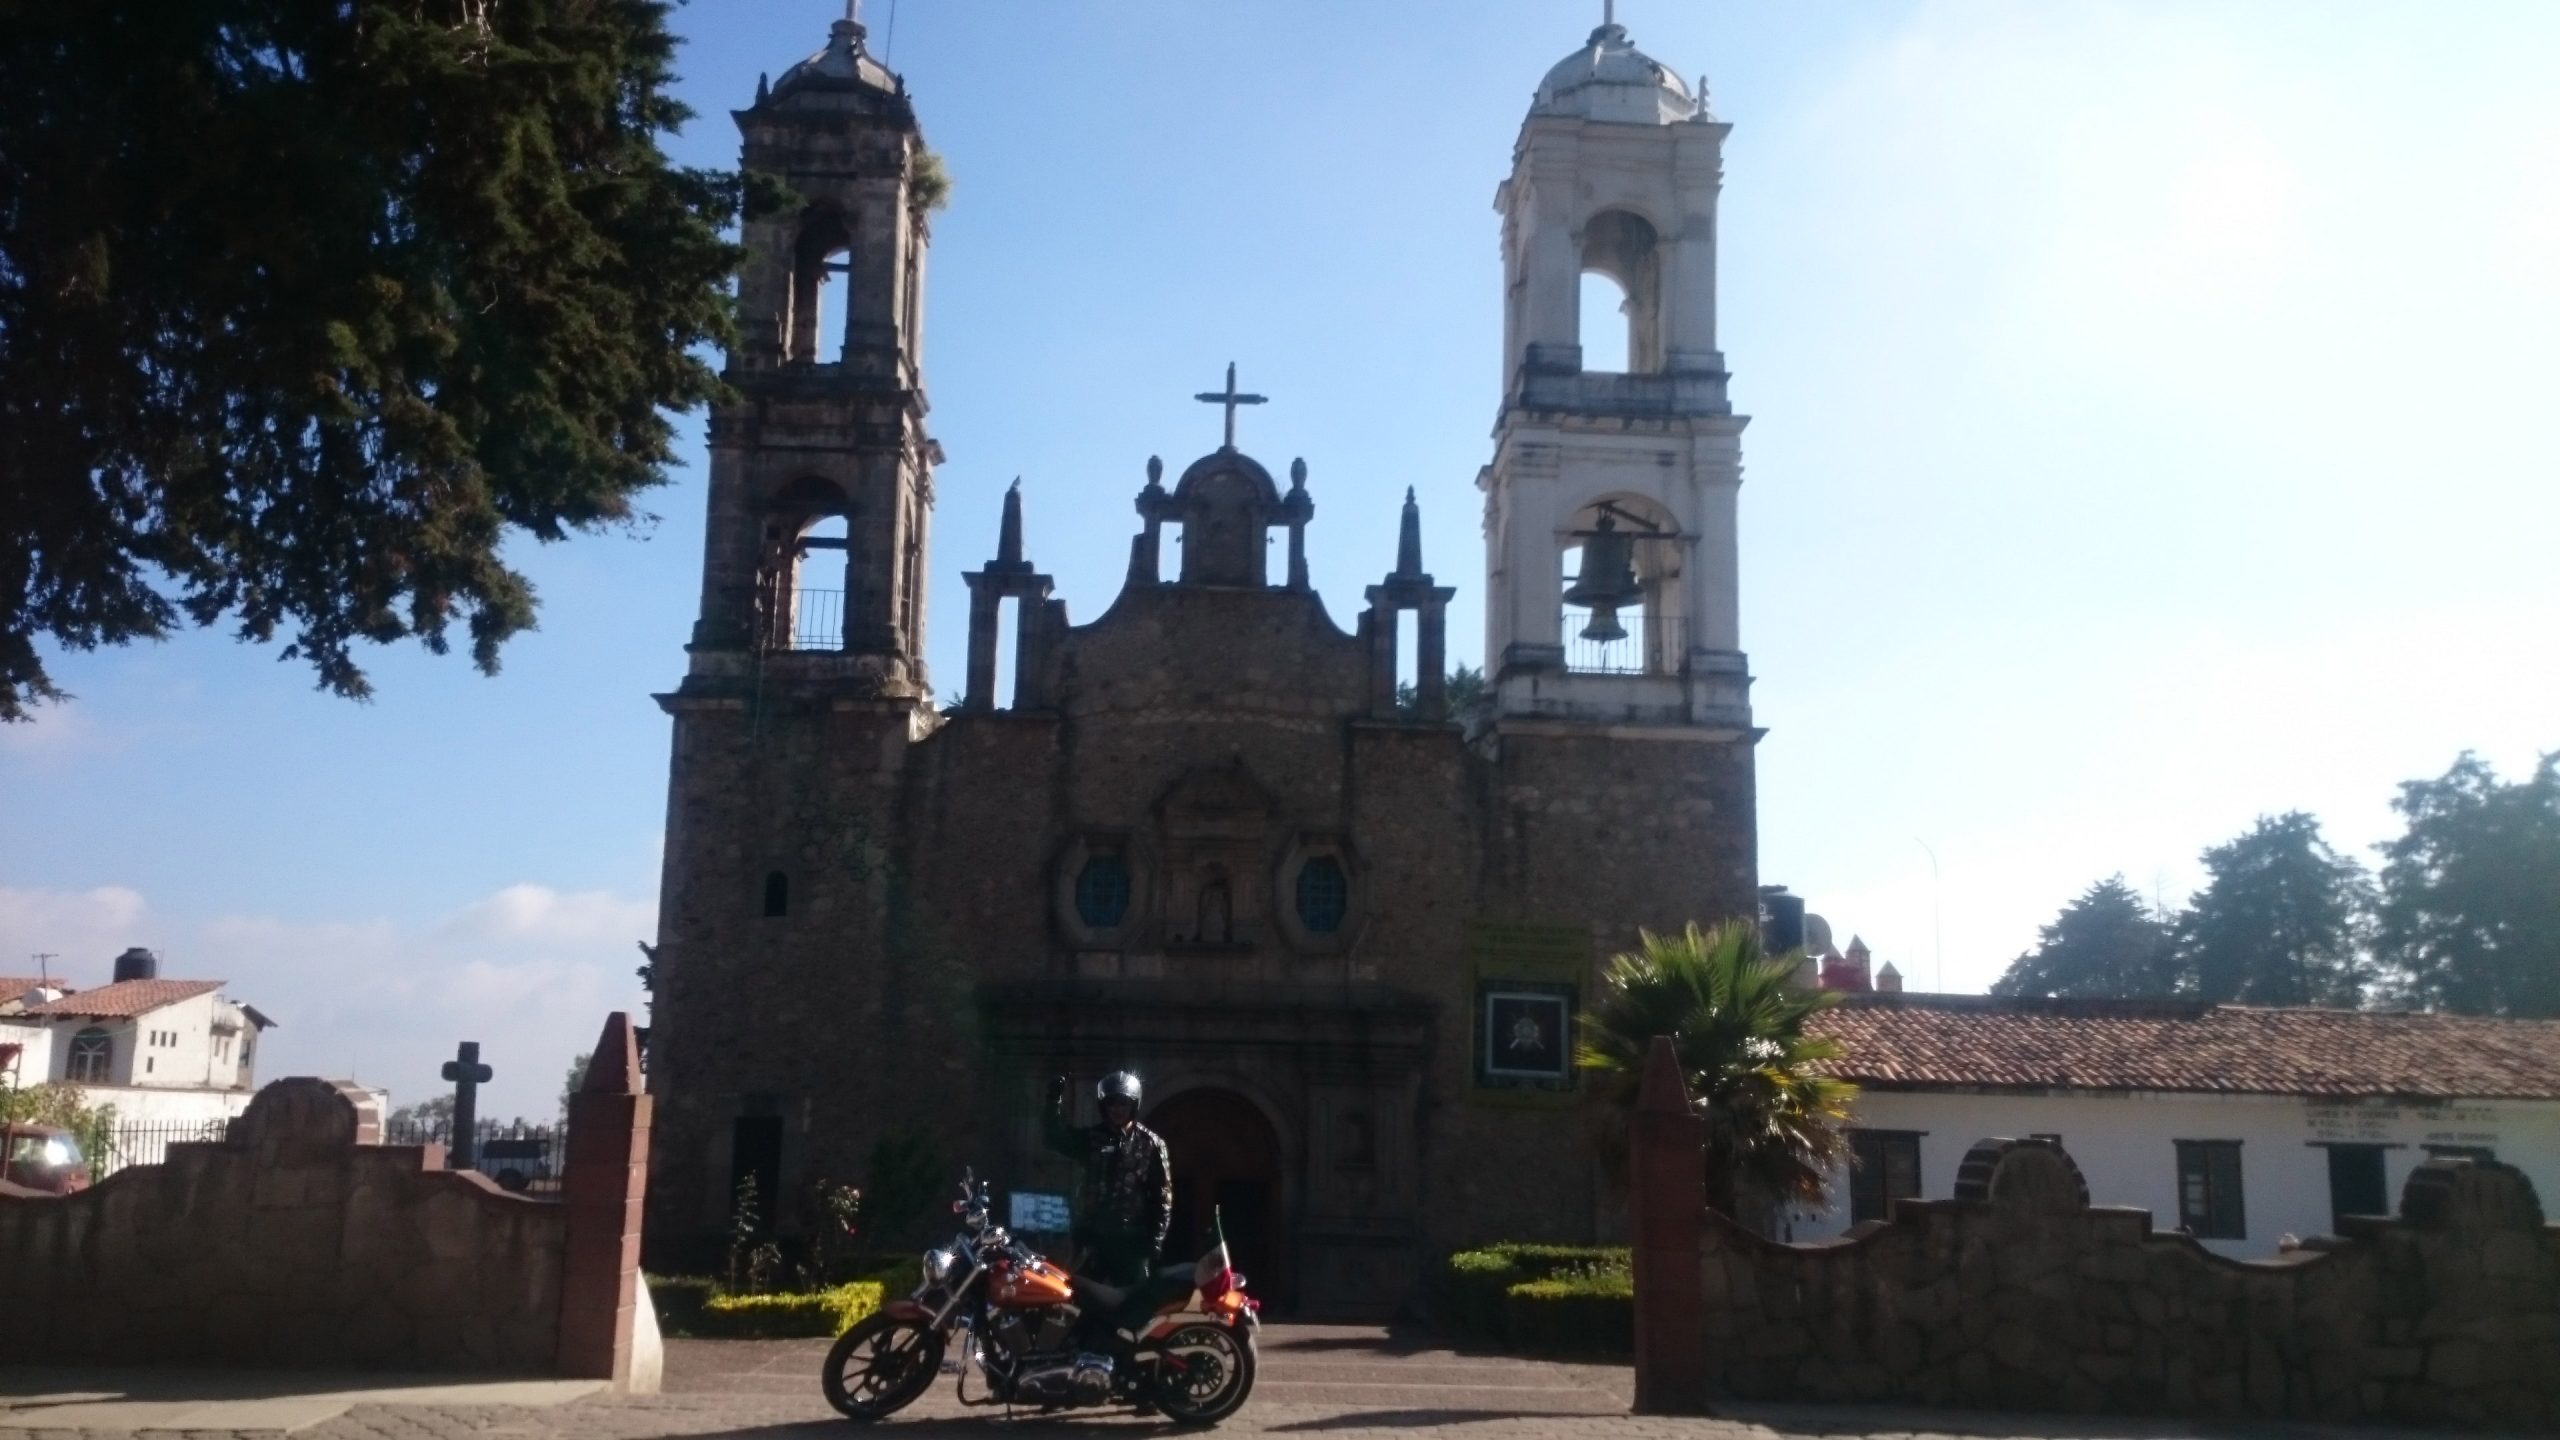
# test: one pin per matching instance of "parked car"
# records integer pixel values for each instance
(43, 1158)
(518, 1163)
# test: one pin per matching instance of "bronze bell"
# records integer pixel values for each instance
(1607, 581)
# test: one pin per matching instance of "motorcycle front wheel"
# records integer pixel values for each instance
(1205, 1373)
(880, 1366)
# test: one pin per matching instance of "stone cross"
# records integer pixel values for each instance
(468, 1075)
(1229, 398)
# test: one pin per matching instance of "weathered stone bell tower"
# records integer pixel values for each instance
(804, 685)
(828, 433)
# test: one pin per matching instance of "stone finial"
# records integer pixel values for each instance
(764, 87)
(1662, 1090)
(1155, 473)
(2456, 1192)
(2037, 1176)
(615, 1070)
(1409, 539)
(1298, 473)
(1009, 531)
(302, 1114)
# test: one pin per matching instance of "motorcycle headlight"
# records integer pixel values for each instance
(937, 1265)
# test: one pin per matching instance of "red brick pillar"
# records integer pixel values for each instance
(608, 1170)
(1667, 1171)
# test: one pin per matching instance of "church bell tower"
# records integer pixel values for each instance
(821, 469)
(1609, 505)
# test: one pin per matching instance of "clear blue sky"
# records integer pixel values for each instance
(2149, 432)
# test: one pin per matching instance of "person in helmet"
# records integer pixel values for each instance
(1124, 1200)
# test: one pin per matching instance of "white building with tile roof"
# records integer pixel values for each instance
(162, 1052)
(2243, 1124)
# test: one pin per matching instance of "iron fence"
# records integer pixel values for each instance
(1653, 645)
(802, 620)
(524, 1158)
(149, 1144)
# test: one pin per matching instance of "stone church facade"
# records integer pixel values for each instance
(1341, 936)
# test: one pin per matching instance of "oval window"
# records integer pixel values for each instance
(1102, 892)
(1324, 894)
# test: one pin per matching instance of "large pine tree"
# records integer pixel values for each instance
(2106, 944)
(2279, 922)
(2470, 913)
(307, 305)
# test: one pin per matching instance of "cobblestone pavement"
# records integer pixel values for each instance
(1337, 1383)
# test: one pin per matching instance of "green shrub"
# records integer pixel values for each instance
(775, 1317)
(1476, 1285)
(1590, 1312)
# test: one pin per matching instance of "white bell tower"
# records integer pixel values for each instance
(1609, 506)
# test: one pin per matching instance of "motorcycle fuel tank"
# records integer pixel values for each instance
(1028, 1285)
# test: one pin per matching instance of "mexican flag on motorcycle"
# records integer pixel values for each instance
(1215, 1274)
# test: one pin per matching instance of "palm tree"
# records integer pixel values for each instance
(1737, 1020)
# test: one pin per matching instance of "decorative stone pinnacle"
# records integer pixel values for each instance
(1298, 473)
(1409, 539)
(1155, 472)
(1009, 530)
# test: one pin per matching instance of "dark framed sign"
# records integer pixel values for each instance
(1524, 1035)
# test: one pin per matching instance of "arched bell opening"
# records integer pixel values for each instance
(818, 308)
(1620, 252)
(1624, 613)
(801, 597)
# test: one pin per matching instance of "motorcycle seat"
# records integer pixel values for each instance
(1172, 1282)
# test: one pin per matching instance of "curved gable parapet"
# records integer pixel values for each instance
(1209, 469)
(1241, 652)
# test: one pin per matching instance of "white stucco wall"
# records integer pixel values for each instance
(2125, 1144)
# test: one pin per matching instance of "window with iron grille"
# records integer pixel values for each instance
(2209, 1203)
(93, 1057)
(1102, 892)
(1885, 1167)
(1324, 895)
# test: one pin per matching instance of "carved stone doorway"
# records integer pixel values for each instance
(1226, 1162)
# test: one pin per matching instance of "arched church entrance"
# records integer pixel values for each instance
(1226, 1162)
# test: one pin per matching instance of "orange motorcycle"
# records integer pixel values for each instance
(1181, 1342)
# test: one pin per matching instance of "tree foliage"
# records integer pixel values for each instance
(1467, 691)
(1774, 1120)
(2469, 918)
(2107, 943)
(66, 1107)
(306, 306)
(2279, 922)
(431, 1115)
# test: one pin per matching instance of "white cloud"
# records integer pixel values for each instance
(80, 927)
(537, 912)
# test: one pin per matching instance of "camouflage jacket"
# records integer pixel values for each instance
(1126, 1189)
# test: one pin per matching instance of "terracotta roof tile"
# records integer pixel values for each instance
(124, 999)
(1933, 1041)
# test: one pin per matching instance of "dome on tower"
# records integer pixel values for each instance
(843, 62)
(1609, 79)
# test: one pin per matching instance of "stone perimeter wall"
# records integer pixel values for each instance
(2017, 1294)
(302, 1241)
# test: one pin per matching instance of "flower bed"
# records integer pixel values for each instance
(693, 1307)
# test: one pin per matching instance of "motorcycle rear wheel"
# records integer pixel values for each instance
(880, 1366)
(1219, 1365)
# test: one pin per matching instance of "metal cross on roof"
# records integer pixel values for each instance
(1229, 398)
